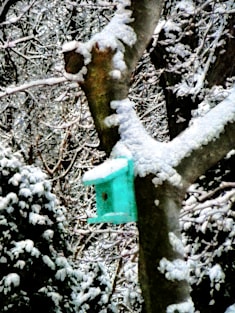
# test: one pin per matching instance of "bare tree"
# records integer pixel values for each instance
(164, 171)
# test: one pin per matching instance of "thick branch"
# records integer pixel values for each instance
(206, 142)
(146, 14)
(99, 90)
(203, 158)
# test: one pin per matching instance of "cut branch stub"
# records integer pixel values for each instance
(73, 61)
(99, 89)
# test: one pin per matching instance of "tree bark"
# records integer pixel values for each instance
(100, 90)
(224, 67)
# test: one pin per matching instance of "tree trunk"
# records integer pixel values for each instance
(155, 222)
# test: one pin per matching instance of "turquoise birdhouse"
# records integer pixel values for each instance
(114, 186)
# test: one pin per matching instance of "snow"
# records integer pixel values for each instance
(48, 234)
(205, 129)
(174, 270)
(62, 261)
(13, 163)
(3, 259)
(117, 31)
(112, 120)
(15, 179)
(65, 269)
(76, 77)
(148, 154)
(82, 49)
(156, 202)
(216, 274)
(3, 221)
(12, 279)
(107, 168)
(48, 261)
(23, 205)
(70, 46)
(55, 296)
(176, 243)
(84, 297)
(116, 74)
(134, 139)
(183, 307)
(35, 218)
(36, 208)
(25, 192)
(230, 309)
(187, 6)
(118, 61)
(170, 26)
(11, 198)
(61, 274)
(20, 264)
(25, 246)
(230, 154)
(38, 188)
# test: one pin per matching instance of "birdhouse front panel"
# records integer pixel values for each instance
(104, 198)
(120, 194)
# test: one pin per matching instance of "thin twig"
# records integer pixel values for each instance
(41, 82)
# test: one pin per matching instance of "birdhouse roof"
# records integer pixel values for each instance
(106, 171)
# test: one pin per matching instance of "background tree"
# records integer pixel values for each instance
(36, 270)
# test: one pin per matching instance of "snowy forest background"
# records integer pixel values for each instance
(49, 256)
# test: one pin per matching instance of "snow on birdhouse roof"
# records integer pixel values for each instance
(102, 172)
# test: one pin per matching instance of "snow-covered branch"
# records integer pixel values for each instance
(186, 157)
(207, 141)
(40, 82)
(13, 43)
(13, 20)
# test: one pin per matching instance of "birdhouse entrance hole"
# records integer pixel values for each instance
(104, 196)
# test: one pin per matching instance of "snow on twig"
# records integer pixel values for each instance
(41, 82)
(14, 20)
(10, 44)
